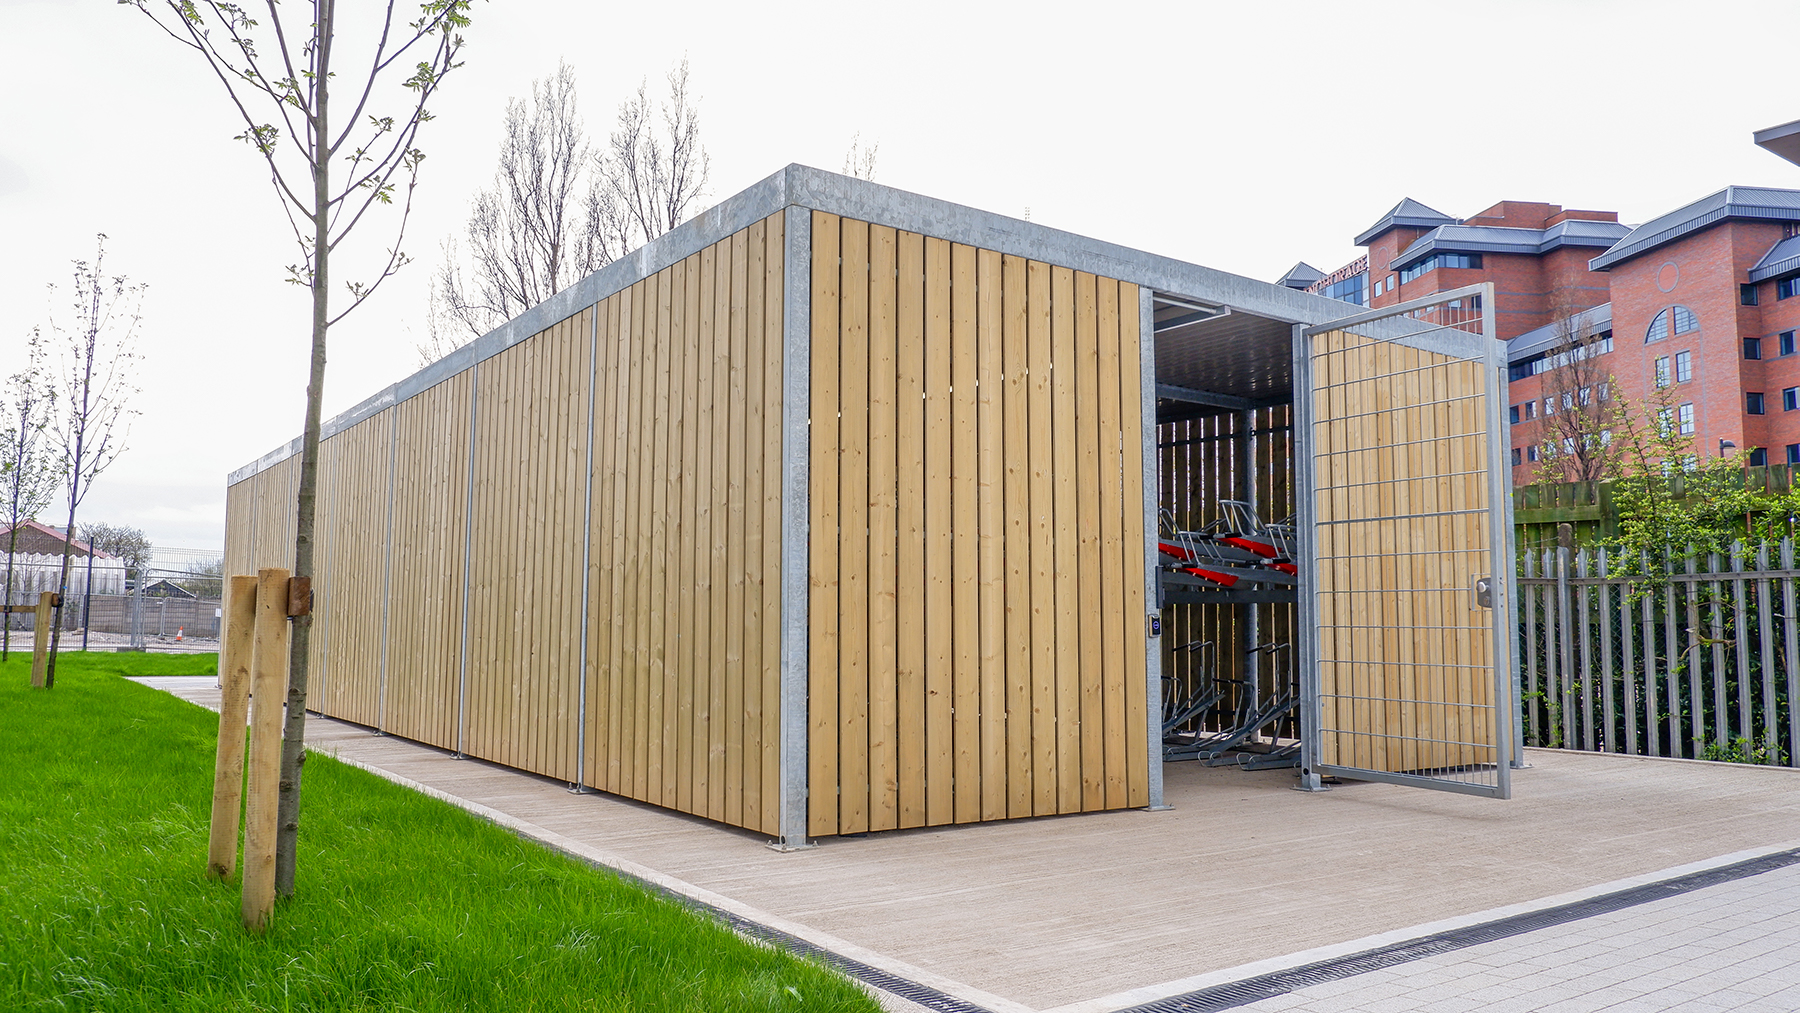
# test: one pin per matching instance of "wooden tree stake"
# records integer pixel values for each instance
(234, 701)
(40, 639)
(268, 692)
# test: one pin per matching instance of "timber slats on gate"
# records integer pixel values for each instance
(1698, 658)
(681, 675)
(976, 623)
(1403, 529)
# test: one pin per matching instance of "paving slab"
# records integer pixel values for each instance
(1099, 911)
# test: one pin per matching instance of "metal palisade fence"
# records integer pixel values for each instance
(1697, 656)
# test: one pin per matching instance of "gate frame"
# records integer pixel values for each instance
(1507, 728)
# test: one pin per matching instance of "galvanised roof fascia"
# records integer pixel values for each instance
(816, 189)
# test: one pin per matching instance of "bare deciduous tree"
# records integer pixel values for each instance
(860, 161)
(123, 541)
(97, 385)
(290, 74)
(1582, 409)
(559, 209)
(28, 476)
(530, 235)
(654, 169)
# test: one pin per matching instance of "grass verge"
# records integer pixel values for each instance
(402, 902)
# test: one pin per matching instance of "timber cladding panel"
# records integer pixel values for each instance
(470, 499)
(525, 556)
(684, 564)
(423, 653)
(350, 556)
(259, 521)
(976, 577)
(1400, 453)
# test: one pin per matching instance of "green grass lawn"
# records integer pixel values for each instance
(402, 902)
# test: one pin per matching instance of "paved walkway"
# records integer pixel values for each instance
(1243, 882)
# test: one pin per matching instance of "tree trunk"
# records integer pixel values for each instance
(62, 582)
(12, 545)
(293, 738)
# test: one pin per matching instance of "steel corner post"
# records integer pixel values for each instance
(1306, 613)
(796, 450)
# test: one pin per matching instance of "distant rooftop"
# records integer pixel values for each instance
(1300, 276)
(1541, 340)
(1408, 213)
(1782, 141)
(1782, 258)
(1747, 202)
(1499, 239)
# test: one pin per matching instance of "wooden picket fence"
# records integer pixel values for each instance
(1699, 659)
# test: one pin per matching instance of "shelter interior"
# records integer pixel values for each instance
(1227, 571)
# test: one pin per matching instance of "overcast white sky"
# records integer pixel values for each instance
(1242, 136)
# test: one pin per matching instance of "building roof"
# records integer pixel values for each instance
(1541, 340)
(1752, 202)
(1782, 141)
(1300, 276)
(44, 539)
(1506, 239)
(1408, 213)
(1782, 258)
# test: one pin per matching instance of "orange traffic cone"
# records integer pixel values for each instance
(179, 630)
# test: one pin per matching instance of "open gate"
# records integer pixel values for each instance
(1405, 510)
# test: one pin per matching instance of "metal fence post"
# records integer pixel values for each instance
(1566, 650)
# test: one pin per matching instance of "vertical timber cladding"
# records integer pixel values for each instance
(1400, 457)
(977, 607)
(259, 520)
(524, 571)
(425, 565)
(349, 557)
(349, 546)
(684, 561)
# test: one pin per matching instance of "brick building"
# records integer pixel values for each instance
(1700, 299)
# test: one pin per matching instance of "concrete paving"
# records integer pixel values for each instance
(1084, 914)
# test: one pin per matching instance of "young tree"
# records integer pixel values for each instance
(95, 417)
(860, 161)
(1582, 414)
(28, 475)
(289, 75)
(559, 210)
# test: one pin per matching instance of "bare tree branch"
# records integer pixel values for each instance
(860, 161)
(558, 209)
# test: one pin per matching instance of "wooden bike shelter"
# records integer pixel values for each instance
(835, 509)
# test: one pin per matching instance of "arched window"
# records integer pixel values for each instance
(1681, 319)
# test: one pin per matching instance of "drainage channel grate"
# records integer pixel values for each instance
(1266, 986)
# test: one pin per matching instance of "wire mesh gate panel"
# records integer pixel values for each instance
(1406, 640)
